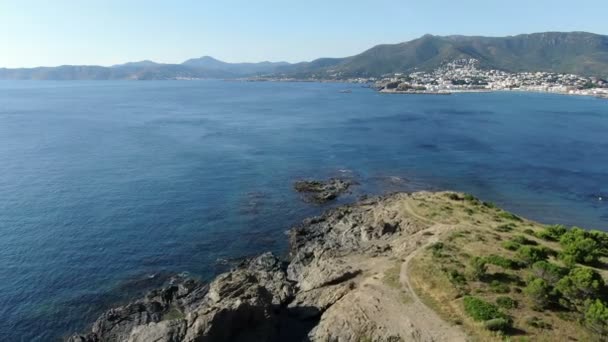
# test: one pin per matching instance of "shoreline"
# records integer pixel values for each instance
(427, 92)
(476, 91)
(356, 272)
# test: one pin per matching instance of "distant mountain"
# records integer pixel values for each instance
(140, 64)
(210, 63)
(204, 67)
(127, 71)
(573, 52)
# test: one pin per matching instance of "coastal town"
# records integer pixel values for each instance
(465, 75)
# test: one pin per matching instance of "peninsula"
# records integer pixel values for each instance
(423, 266)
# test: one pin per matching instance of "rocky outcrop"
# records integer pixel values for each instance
(242, 304)
(322, 191)
(331, 288)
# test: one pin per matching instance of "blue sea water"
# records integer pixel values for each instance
(105, 187)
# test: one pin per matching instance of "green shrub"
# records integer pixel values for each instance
(505, 228)
(508, 216)
(549, 272)
(602, 240)
(498, 287)
(454, 196)
(530, 254)
(506, 302)
(437, 249)
(471, 198)
(498, 324)
(489, 205)
(552, 233)
(529, 231)
(511, 245)
(596, 316)
(522, 240)
(580, 284)
(538, 290)
(479, 268)
(481, 310)
(503, 262)
(579, 246)
(456, 277)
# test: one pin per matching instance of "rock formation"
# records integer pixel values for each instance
(322, 191)
(334, 288)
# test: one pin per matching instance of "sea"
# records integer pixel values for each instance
(107, 188)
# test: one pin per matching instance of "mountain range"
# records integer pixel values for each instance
(579, 53)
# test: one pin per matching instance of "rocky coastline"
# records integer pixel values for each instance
(331, 288)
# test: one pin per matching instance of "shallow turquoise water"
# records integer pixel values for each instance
(104, 184)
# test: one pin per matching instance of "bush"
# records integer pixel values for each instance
(529, 232)
(511, 245)
(602, 240)
(503, 262)
(580, 284)
(456, 278)
(552, 233)
(508, 216)
(506, 302)
(579, 246)
(530, 254)
(454, 196)
(522, 240)
(596, 316)
(479, 267)
(471, 198)
(498, 287)
(489, 205)
(549, 272)
(505, 228)
(481, 310)
(437, 249)
(538, 290)
(498, 324)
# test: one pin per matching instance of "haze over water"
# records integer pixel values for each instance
(105, 187)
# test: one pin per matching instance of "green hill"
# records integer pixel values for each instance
(574, 52)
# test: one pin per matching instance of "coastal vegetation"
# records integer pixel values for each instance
(504, 277)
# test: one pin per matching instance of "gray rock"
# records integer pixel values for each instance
(263, 298)
(322, 191)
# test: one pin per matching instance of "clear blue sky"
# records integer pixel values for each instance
(105, 32)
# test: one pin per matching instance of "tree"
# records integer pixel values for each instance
(596, 316)
(581, 283)
(579, 246)
(538, 290)
(549, 272)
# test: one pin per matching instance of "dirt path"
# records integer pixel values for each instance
(425, 319)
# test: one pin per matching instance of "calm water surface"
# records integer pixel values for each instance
(105, 187)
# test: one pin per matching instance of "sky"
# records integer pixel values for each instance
(107, 32)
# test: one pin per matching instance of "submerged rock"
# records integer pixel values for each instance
(322, 191)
